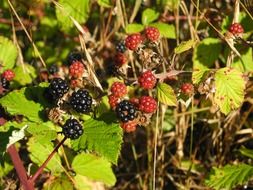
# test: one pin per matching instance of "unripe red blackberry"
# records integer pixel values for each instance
(147, 104)
(236, 29)
(187, 88)
(76, 69)
(118, 89)
(120, 59)
(147, 80)
(152, 33)
(72, 129)
(113, 101)
(133, 41)
(129, 126)
(8, 74)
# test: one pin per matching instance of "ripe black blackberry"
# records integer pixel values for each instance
(53, 69)
(4, 83)
(81, 101)
(120, 47)
(57, 88)
(72, 129)
(125, 111)
(74, 56)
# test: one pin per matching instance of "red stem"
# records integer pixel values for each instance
(20, 169)
(41, 168)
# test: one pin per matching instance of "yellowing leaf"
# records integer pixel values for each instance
(166, 94)
(184, 46)
(229, 85)
(229, 176)
(94, 167)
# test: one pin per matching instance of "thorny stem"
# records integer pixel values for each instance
(41, 168)
(19, 167)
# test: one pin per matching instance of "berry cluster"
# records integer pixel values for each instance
(133, 41)
(128, 111)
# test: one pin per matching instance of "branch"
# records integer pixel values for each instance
(19, 167)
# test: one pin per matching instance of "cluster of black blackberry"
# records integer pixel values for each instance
(79, 100)
(125, 111)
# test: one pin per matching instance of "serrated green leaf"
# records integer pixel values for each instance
(103, 138)
(105, 3)
(78, 9)
(246, 152)
(184, 46)
(199, 75)
(18, 102)
(166, 30)
(134, 28)
(148, 16)
(94, 167)
(166, 95)
(8, 54)
(229, 85)
(244, 64)
(39, 153)
(23, 75)
(58, 183)
(229, 176)
(43, 132)
(206, 53)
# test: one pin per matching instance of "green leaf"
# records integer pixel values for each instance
(103, 138)
(206, 53)
(18, 102)
(58, 183)
(94, 167)
(229, 176)
(245, 63)
(105, 3)
(23, 75)
(104, 106)
(246, 152)
(43, 132)
(166, 95)
(39, 153)
(134, 28)
(8, 54)
(166, 30)
(184, 46)
(82, 182)
(78, 9)
(230, 85)
(148, 16)
(199, 75)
